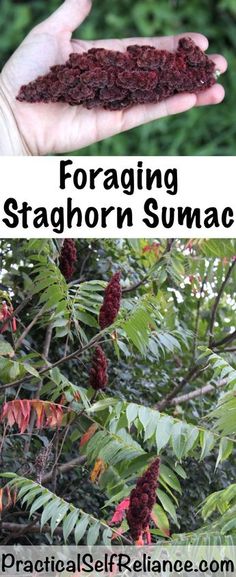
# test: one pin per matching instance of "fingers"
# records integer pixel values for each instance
(216, 93)
(220, 62)
(199, 39)
(162, 43)
(213, 95)
(67, 18)
(104, 124)
(142, 114)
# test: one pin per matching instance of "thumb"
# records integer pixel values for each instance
(67, 17)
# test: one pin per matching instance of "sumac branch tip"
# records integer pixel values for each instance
(18, 412)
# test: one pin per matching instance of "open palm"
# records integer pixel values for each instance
(59, 127)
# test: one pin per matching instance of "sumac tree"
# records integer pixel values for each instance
(114, 378)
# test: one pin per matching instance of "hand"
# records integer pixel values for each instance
(55, 128)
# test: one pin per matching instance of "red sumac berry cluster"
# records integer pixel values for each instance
(98, 372)
(142, 500)
(68, 258)
(117, 80)
(111, 302)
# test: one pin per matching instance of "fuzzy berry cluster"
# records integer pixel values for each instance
(68, 258)
(111, 302)
(142, 500)
(117, 80)
(98, 372)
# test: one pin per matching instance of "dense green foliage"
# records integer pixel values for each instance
(173, 337)
(198, 132)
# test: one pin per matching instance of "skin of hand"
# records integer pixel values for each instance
(57, 128)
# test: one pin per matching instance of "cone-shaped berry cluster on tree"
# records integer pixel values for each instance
(117, 80)
(111, 302)
(142, 500)
(68, 258)
(98, 372)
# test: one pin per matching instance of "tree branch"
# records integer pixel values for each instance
(193, 372)
(18, 529)
(133, 287)
(29, 327)
(64, 359)
(47, 342)
(136, 285)
(226, 340)
(195, 337)
(217, 300)
(76, 281)
(197, 393)
(65, 467)
(229, 350)
(23, 529)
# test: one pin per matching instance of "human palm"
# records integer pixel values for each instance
(55, 128)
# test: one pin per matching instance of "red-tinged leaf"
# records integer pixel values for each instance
(154, 519)
(63, 400)
(54, 415)
(89, 433)
(14, 406)
(14, 497)
(14, 326)
(10, 417)
(120, 511)
(9, 498)
(97, 471)
(19, 412)
(23, 424)
(25, 407)
(4, 411)
(40, 412)
(24, 415)
(1, 500)
(148, 537)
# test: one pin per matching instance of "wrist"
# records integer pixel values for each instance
(11, 141)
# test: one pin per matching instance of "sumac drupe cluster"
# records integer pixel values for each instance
(98, 373)
(142, 500)
(117, 80)
(68, 258)
(111, 302)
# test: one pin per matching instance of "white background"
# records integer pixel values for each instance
(202, 182)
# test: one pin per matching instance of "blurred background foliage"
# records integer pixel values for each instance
(209, 131)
